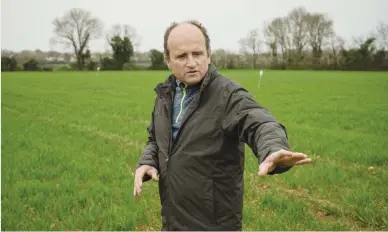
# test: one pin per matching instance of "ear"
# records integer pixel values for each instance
(166, 60)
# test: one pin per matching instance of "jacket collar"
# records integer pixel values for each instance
(169, 85)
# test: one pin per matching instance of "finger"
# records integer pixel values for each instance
(286, 153)
(304, 161)
(155, 176)
(134, 189)
(298, 155)
(138, 183)
(292, 161)
(294, 158)
(301, 155)
(282, 153)
(134, 186)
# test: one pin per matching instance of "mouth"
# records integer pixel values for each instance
(192, 72)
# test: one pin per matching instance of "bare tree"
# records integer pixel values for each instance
(75, 29)
(123, 30)
(278, 31)
(335, 45)
(382, 35)
(219, 57)
(271, 40)
(320, 29)
(251, 45)
(357, 41)
(297, 23)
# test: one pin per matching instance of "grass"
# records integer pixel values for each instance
(70, 141)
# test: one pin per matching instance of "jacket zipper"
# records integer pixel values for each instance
(170, 146)
(167, 160)
(183, 98)
(170, 131)
(187, 116)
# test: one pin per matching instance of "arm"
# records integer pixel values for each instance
(253, 124)
(150, 153)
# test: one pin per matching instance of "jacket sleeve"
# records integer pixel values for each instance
(150, 152)
(253, 124)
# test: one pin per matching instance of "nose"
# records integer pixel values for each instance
(191, 61)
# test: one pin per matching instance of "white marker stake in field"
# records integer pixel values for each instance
(97, 70)
(261, 74)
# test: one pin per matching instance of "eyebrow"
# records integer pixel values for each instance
(195, 51)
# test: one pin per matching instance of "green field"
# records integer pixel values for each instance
(70, 142)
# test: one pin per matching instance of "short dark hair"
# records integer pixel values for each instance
(192, 22)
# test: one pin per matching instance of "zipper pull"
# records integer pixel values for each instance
(166, 161)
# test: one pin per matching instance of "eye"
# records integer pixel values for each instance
(181, 56)
(197, 53)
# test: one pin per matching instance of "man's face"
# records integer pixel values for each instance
(188, 58)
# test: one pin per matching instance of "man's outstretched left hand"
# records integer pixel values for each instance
(282, 158)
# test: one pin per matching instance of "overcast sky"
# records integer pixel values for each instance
(27, 24)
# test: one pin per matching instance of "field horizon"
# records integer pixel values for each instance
(70, 142)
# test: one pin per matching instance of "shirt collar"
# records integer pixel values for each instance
(181, 84)
(177, 82)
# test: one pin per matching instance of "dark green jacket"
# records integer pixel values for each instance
(201, 172)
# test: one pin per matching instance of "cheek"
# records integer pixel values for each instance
(177, 69)
(206, 61)
(176, 66)
(205, 64)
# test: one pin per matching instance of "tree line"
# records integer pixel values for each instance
(298, 40)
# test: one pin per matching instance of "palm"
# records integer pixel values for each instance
(282, 158)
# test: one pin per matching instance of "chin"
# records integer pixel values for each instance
(192, 80)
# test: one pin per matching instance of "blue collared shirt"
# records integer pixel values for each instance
(182, 99)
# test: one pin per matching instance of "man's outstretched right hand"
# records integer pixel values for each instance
(139, 174)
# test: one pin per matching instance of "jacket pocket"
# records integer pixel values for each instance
(192, 202)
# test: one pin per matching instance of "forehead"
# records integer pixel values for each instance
(186, 38)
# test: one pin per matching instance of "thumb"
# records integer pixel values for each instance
(154, 174)
(264, 168)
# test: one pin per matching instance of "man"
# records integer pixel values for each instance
(199, 125)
